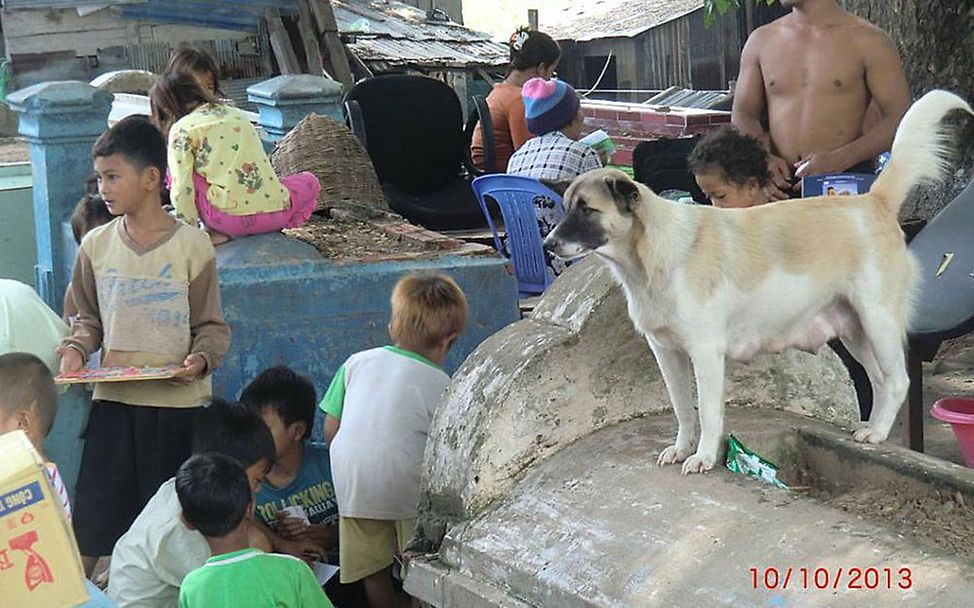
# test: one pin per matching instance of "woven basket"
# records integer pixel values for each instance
(328, 149)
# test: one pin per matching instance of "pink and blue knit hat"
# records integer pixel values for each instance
(549, 105)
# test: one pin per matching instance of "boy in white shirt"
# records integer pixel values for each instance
(378, 412)
(150, 561)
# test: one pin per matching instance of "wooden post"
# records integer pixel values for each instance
(328, 28)
(287, 61)
(533, 19)
(310, 38)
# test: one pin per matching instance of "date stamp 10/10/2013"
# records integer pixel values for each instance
(773, 578)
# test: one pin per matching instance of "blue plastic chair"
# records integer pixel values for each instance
(515, 197)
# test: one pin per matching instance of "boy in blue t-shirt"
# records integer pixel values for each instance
(300, 479)
(301, 475)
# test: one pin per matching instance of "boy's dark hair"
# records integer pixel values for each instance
(734, 155)
(26, 381)
(233, 430)
(189, 59)
(530, 48)
(174, 96)
(290, 394)
(138, 140)
(90, 212)
(214, 493)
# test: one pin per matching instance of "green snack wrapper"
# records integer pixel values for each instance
(742, 460)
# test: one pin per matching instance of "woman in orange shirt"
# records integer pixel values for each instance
(533, 55)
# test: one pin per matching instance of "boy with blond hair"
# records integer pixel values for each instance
(378, 412)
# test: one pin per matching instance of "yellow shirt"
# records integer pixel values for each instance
(219, 143)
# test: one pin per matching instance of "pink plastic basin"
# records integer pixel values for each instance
(959, 412)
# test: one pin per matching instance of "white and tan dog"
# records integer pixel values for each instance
(704, 284)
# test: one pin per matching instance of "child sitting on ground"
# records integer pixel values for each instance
(554, 114)
(297, 499)
(378, 411)
(150, 561)
(301, 475)
(28, 402)
(147, 294)
(217, 501)
(219, 170)
(731, 168)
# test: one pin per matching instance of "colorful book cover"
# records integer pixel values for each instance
(837, 184)
(118, 374)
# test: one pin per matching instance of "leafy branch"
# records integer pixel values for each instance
(715, 8)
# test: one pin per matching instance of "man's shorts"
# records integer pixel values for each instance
(367, 546)
(130, 450)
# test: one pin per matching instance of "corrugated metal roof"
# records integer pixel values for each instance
(429, 53)
(397, 20)
(379, 30)
(687, 98)
(396, 34)
(584, 20)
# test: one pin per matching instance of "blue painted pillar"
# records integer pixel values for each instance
(283, 101)
(61, 121)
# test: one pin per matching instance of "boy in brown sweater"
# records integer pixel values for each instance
(146, 290)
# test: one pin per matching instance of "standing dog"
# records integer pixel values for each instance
(704, 284)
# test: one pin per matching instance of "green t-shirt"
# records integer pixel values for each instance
(252, 578)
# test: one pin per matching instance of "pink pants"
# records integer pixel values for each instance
(303, 188)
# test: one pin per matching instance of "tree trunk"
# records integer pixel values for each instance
(936, 44)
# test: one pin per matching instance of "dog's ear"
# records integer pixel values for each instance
(558, 186)
(624, 192)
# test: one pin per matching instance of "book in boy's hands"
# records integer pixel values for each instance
(118, 373)
(599, 140)
(837, 184)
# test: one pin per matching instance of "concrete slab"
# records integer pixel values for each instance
(599, 524)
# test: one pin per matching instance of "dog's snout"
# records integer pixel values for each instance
(550, 242)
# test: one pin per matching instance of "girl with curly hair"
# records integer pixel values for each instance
(731, 168)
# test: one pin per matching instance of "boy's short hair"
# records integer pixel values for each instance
(290, 394)
(90, 212)
(26, 382)
(213, 492)
(736, 156)
(235, 431)
(426, 308)
(136, 139)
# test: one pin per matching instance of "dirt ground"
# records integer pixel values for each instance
(945, 519)
(13, 150)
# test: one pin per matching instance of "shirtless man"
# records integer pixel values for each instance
(816, 71)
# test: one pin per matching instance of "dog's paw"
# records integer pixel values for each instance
(698, 463)
(869, 435)
(672, 454)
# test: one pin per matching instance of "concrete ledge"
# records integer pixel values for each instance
(599, 524)
(432, 582)
(577, 366)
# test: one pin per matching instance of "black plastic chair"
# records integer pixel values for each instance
(413, 129)
(661, 164)
(481, 114)
(945, 249)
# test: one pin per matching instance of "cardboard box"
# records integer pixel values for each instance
(39, 561)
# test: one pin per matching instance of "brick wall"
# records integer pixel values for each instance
(629, 124)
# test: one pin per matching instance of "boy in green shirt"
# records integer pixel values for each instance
(216, 498)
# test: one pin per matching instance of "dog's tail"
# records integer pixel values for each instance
(920, 148)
